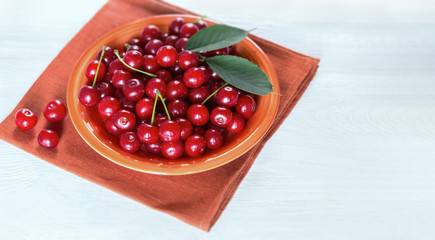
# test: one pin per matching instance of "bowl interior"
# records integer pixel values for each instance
(91, 127)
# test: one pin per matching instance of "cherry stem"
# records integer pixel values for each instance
(137, 70)
(127, 46)
(211, 95)
(154, 109)
(164, 105)
(201, 58)
(200, 19)
(98, 66)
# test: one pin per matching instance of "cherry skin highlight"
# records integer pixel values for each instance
(25, 119)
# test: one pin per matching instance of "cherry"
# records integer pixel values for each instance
(207, 74)
(221, 116)
(111, 128)
(116, 65)
(154, 85)
(175, 69)
(25, 119)
(232, 50)
(135, 41)
(133, 89)
(186, 128)
(198, 95)
(154, 148)
(171, 40)
(188, 30)
(215, 86)
(144, 108)
(124, 120)
(201, 24)
(194, 77)
(88, 96)
(214, 138)
(227, 96)
(150, 32)
(198, 114)
(120, 77)
(129, 142)
(148, 133)
(198, 130)
(237, 124)
(175, 26)
(165, 75)
(195, 145)
(172, 150)
(150, 64)
(105, 89)
(163, 37)
(108, 106)
(135, 47)
(91, 71)
(166, 56)
(152, 46)
(177, 108)
(221, 51)
(159, 119)
(55, 111)
(187, 59)
(133, 59)
(213, 75)
(126, 104)
(176, 89)
(107, 78)
(108, 56)
(48, 138)
(246, 106)
(169, 131)
(180, 44)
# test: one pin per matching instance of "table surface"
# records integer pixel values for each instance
(354, 160)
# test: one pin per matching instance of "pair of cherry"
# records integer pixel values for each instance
(54, 112)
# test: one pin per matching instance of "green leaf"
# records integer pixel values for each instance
(215, 37)
(241, 73)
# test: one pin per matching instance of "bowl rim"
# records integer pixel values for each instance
(126, 160)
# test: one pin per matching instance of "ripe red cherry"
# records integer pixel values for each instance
(188, 30)
(108, 106)
(120, 77)
(111, 128)
(187, 59)
(91, 71)
(116, 65)
(169, 131)
(237, 124)
(198, 130)
(150, 64)
(172, 150)
(129, 142)
(135, 47)
(135, 41)
(198, 95)
(171, 40)
(176, 89)
(201, 24)
(159, 118)
(124, 120)
(175, 25)
(152, 46)
(180, 44)
(105, 89)
(177, 108)
(154, 85)
(55, 111)
(198, 114)
(186, 128)
(48, 138)
(227, 96)
(108, 56)
(165, 75)
(88, 96)
(195, 145)
(214, 138)
(144, 108)
(246, 106)
(150, 32)
(194, 77)
(148, 133)
(166, 56)
(133, 89)
(221, 116)
(133, 59)
(25, 119)
(154, 148)
(126, 104)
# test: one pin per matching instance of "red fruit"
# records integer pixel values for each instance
(144, 108)
(154, 148)
(88, 96)
(133, 89)
(150, 64)
(172, 150)
(91, 71)
(108, 106)
(147, 133)
(154, 85)
(237, 124)
(48, 138)
(133, 59)
(166, 56)
(221, 116)
(169, 131)
(188, 30)
(55, 111)
(177, 108)
(129, 142)
(119, 78)
(186, 128)
(201, 24)
(187, 59)
(227, 96)
(116, 65)
(105, 89)
(111, 128)
(152, 46)
(195, 145)
(198, 114)
(198, 95)
(108, 56)
(194, 77)
(125, 120)
(165, 75)
(171, 40)
(246, 106)
(175, 25)
(176, 89)
(180, 44)
(150, 32)
(214, 138)
(25, 119)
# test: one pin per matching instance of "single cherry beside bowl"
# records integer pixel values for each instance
(55, 111)
(25, 119)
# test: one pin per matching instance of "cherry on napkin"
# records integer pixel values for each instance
(197, 199)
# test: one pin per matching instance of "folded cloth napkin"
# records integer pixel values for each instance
(200, 205)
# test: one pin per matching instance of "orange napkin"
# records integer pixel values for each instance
(197, 199)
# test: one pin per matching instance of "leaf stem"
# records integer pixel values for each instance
(154, 108)
(200, 19)
(164, 105)
(137, 70)
(103, 50)
(211, 95)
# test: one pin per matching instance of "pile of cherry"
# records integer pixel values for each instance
(162, 99)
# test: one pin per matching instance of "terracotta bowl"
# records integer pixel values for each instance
(91, 128)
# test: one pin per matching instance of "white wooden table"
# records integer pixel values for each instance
(355, 159)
